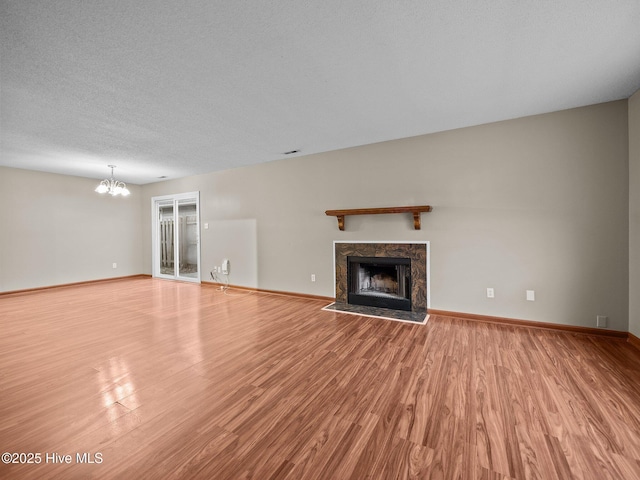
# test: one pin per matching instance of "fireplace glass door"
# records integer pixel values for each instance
(383, 282)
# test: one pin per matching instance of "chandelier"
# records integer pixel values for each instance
(112, 186)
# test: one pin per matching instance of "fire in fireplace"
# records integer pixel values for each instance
(379, 282)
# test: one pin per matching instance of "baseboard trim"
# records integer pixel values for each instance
(633, 340)
(532, 324)
(272, 292)
(467, 316)
(27, 291)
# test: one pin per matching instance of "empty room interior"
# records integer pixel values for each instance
(335, 240)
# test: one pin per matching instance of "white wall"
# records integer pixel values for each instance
(537, 203)
(54, 229)
(634, 214)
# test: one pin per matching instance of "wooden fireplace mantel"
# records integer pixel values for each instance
(416, 211)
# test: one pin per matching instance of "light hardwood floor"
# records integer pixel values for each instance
(175, 380)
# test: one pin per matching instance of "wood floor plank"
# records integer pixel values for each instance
(176, 380)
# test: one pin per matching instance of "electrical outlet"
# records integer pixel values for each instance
(115, 265)
(313, 277)
(490, 293)
(602, 321)
(531, 295)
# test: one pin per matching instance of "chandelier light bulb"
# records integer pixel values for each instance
(102, 188)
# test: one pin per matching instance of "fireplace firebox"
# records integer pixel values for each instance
(379, 282)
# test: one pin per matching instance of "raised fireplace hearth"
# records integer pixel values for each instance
(388, 276)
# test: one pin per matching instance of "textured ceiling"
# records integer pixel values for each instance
(162, 88)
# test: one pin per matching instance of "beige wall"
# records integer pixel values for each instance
(55, 229)
(634, 214)
(536, 203)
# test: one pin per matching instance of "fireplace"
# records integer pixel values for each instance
(372, 276)
(383, 282)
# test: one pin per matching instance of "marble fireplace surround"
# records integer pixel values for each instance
(418, 252)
